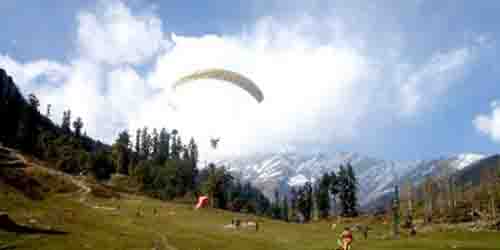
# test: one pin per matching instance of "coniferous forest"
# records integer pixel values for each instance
(333, 194)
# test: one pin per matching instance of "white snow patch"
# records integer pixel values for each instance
(297, 180)
(464, 160)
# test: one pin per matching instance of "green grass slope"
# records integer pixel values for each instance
(98, 223)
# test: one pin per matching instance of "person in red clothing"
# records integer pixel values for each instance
(345, 239)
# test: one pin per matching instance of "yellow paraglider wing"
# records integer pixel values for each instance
(224, 75)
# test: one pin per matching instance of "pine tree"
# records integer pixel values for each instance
(138, 143)
(293, 203)
(175, 151)
(66, 122)
(120, 152)
(342, 189)
(146, 143)
(285, 212)
(155, 144)
(185, 154)
(193, 152)
(276, 205)
(348, 191)
(305, 200)
(77, 126)
(164, 145)
(352, 188)
(179, 147)
(33, 102)
(323, 196)
(334, 190)
(315, 197)
(310, 200)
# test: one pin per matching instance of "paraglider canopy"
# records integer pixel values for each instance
(216, 112)
(224, 75)
(202, 202)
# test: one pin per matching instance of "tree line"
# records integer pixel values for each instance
(333, 194)
(450, 198)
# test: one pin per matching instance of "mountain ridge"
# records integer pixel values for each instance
(285, 169)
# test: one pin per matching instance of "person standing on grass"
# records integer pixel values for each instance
(365, 229)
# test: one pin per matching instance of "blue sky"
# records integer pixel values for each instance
(398, 80)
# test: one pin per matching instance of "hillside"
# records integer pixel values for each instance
(129, 222)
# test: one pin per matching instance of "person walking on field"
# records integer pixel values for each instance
(345, 239)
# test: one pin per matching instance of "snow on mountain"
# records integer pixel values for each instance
(464, 160)
(288, 168)
(298, 180)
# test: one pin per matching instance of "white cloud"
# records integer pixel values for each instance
(112, 34)
(432, 79)
(28, 74)
(319, 84)
(489, 124)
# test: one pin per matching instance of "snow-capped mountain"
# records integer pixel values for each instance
(283, 170)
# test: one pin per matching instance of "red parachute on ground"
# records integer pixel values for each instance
(202, 202)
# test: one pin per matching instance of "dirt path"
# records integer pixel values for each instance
(84, 188)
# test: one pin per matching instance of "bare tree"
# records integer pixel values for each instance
(452, 187)
(488, 181)
(430, 197)
(408, 195)
(427, 200)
